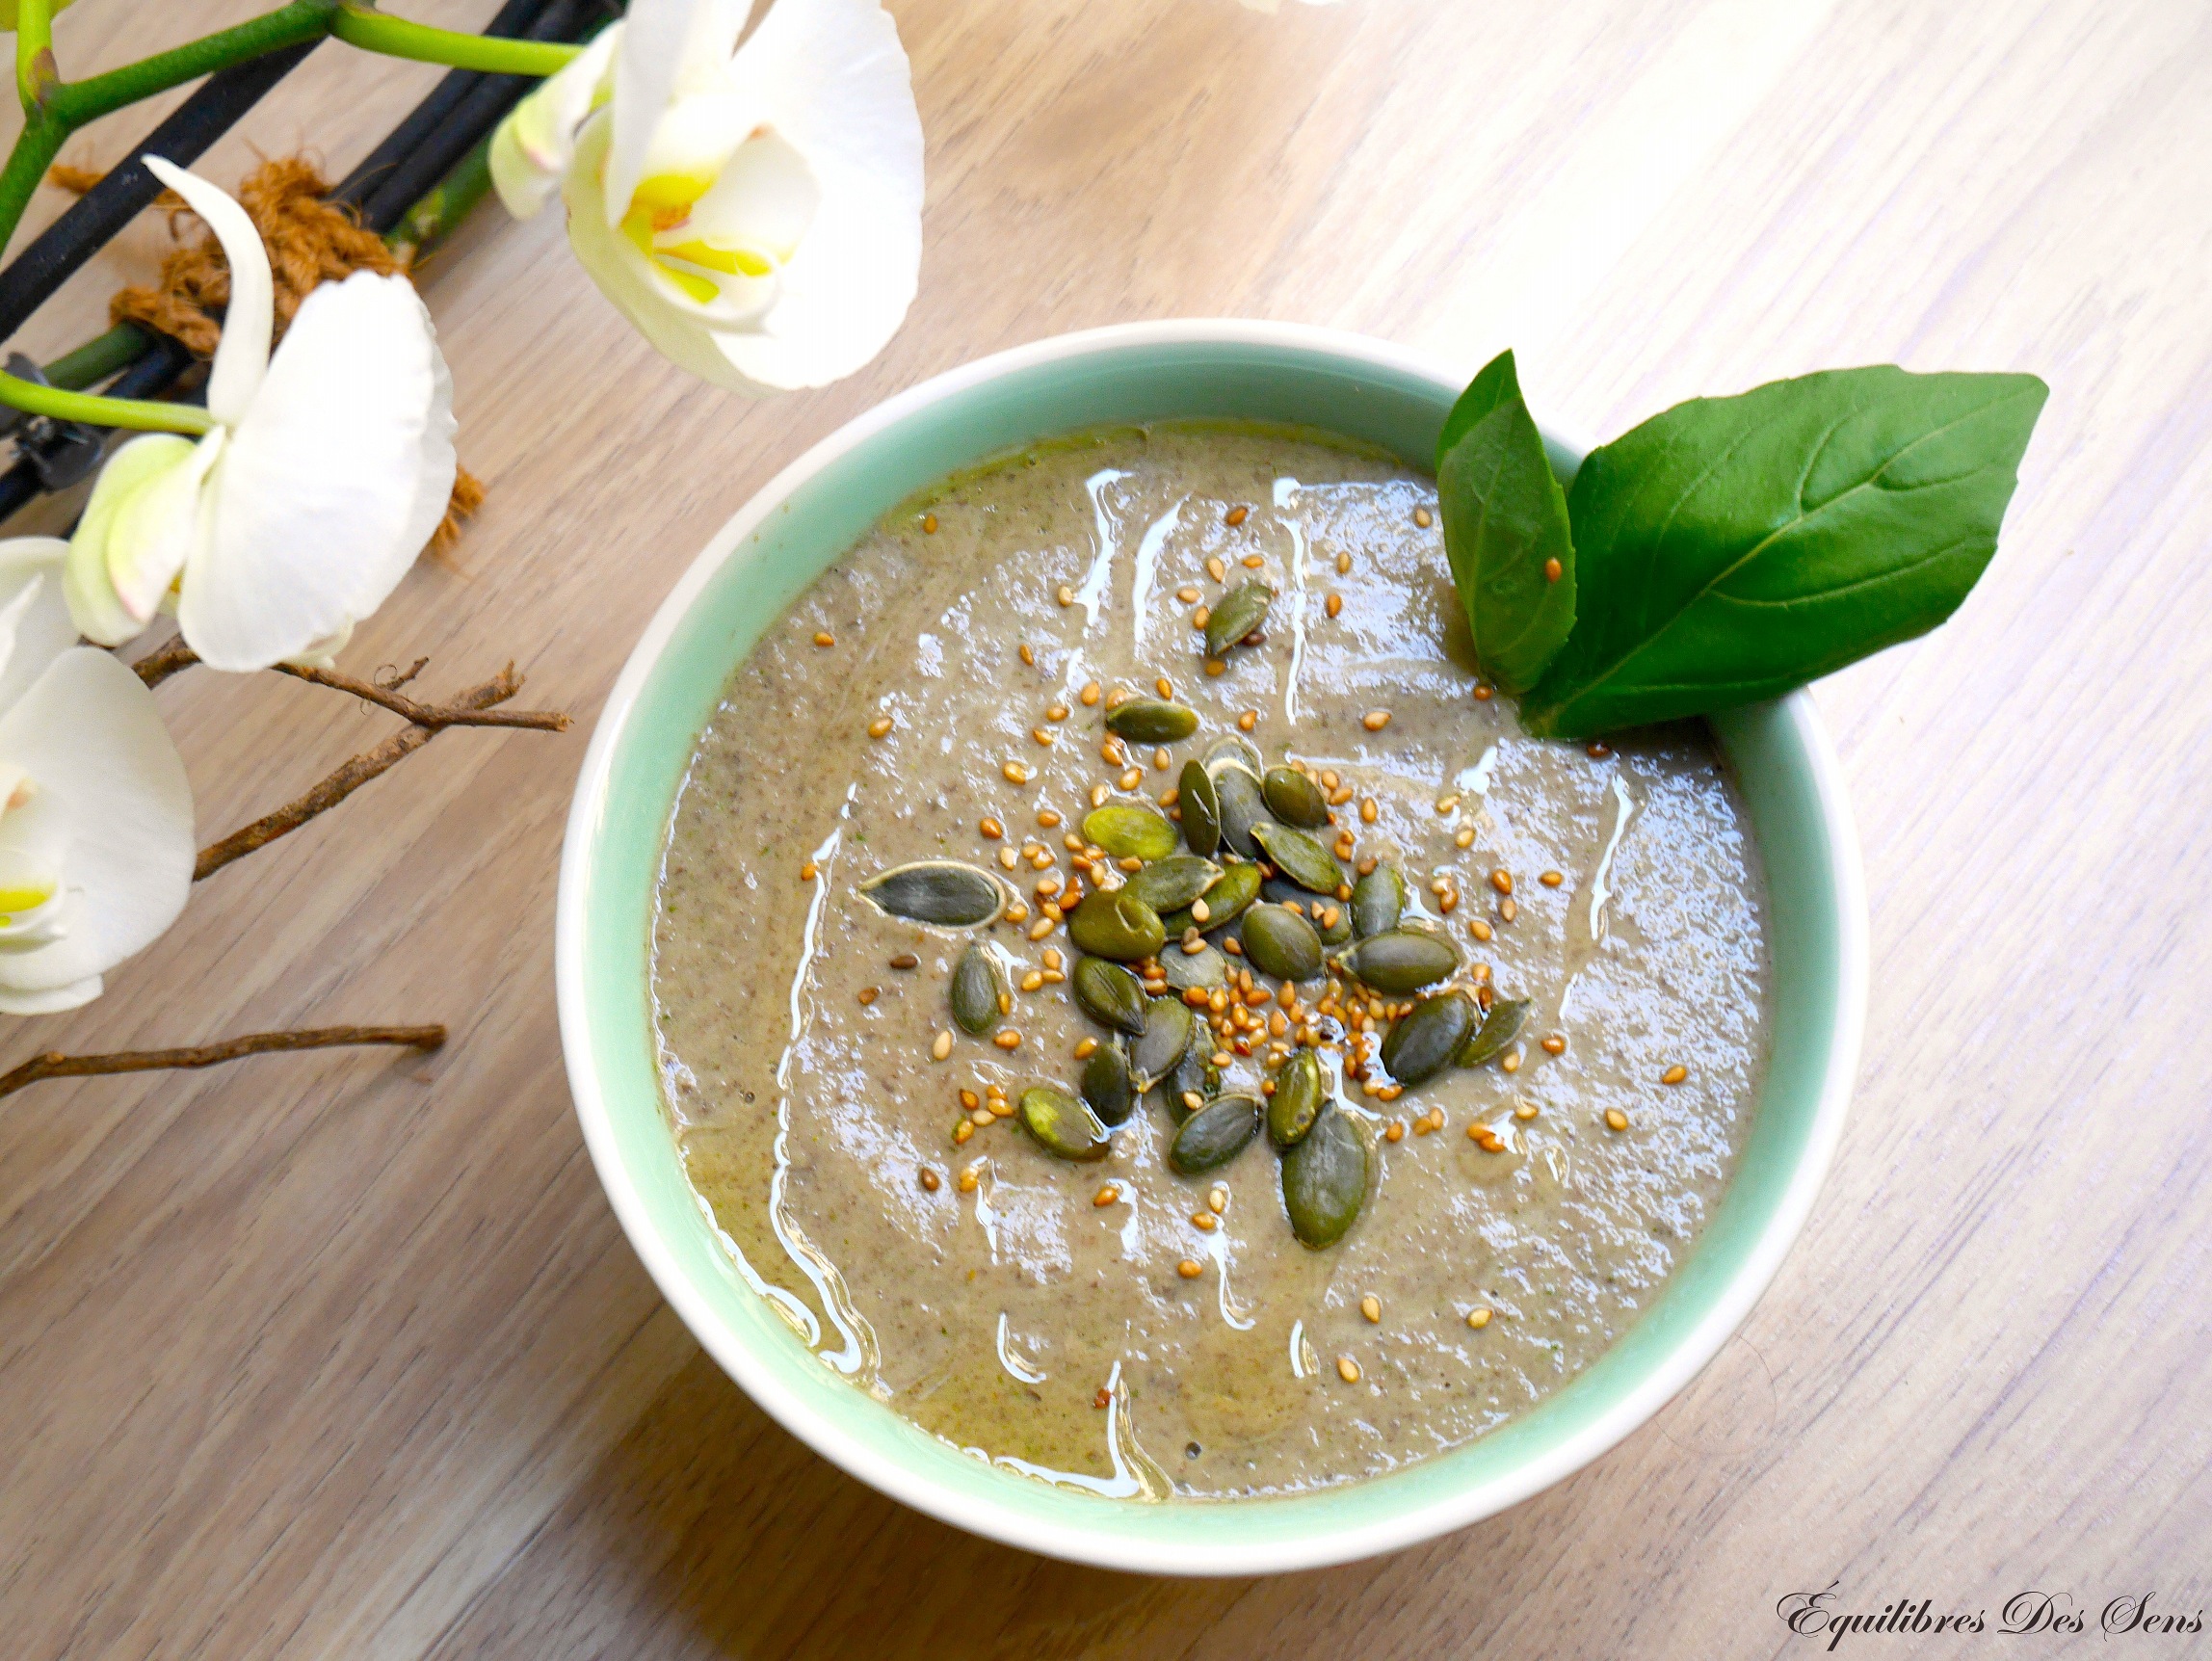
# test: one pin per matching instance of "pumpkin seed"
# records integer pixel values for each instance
(1293, 798)
(1243, 609)
(1200, 807)
(1300, 857)
(1109, 994)
(1427, 1039)
(1400, 960)
(1194, 1075)
(1235, 889)
(1377, 901)
(1279, 941)
(1129, 831)
(1184, 970)
(1497, 1031)
(979, 983)
(1167, 1028)
(1064, 1125)
(1229, 747)
(1113, 923)
(942, 891)
(1214, 1135)
(1298, 1098)
(1237, 789)
(1153, 721)
(1325, 1180)
(1169, 885)
(1108, 1090)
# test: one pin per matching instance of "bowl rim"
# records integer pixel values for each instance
(1223, 1554)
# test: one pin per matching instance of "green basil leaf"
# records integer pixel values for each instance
(1734, 548)
(1504, 522)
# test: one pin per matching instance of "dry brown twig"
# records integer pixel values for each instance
(55, 1065)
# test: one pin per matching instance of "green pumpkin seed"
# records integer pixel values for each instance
(1325, 1180)
(1299, 1096)
(1427, 1039)
(1201, 809)
(1280, 942)
(1152, 720)
(942, 891)
(1235, 889)
(1284, 893)
(1062, 1124)
(1116, 924)
(1204, 968)
(1377, 901)
(1109, 994)
(1400, 960)
(1169, 885)
(1229, 747)
(1243, 609)
(978, 990)
(1241, 806)
(1108, 1090)
(1194, 1075)
(1497, 1031)
(1214, 1135)
(1300, 857)
(1293, 798)
(1167, 1028)
(1130, 833)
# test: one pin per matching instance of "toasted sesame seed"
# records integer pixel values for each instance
(991, 828)
(825, 638)
(1555, 1045)
(1205, 1220)
(1507, 910)
(1090, 695)
(880, 728)
(1375, 720)
(1369, 812)
(1187, 595)
(1616, 1119)
(1132, 779)
(1027, 656)
(1215, 667)
(1215, 569)
(1190, 1269)
(1552, 879)
(1065, 594)
(1161, 758)
(1478, 928)
(1447, 803)
(1394, 1131)
(1033, 980)
(806, 872)
(1478, 1319)
(1007, 1040)
(1106, 1196)
(1465, 838)
(1333, 604)
(962, 1131)
(1041, 928)
(1502, 880)
(1217, 1199)
(1348, 1369)
(1599, 752)
(1016, 774)
(905, 960)
(1235, 515)
(970, 1178)
(1200, 617)
(1484, 692)
(1343, 565)
(1048, 818)
(1423, 517)
(1553, 570)
(1042, 734)
(930, 1179)
(1371, 1306)
(1525, 1111)
(1246, 721)
(1254, 562)
(941, 1046)
(1675, 1074)
(1510, 1062)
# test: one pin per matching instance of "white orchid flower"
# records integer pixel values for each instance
(326, 470)
(756, 212)
(95, 816)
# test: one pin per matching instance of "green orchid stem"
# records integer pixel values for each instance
(364, 26)
(141, 414)
(35, 70)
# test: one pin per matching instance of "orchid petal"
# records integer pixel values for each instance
(672, 48)
(93, 603)
(242, 354)
(331, 483)
(86, 731)
(156, 527)
(533, 146)
(34, 622)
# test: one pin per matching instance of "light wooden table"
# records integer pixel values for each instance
(344, 1356)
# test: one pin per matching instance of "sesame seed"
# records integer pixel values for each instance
(1027, 656)
(1254, 562)
(1675, 1074)
(1555, 1045)
(806, 872)
(1016, 774)
(1478, 928)
(1333, 604)
(1348, 1369)
(1465, 838)
(1248, 720)
(1423, 517)
(1041, 928)
(1599, 752)
(1106, 1196)
(1510, 1062)
(1200, 617)
(1525, 1111)
(1008, 1040)
(1090, 695)
(1217, 1199)
(1065, 594)
(1507, 910)
(880, 726)
(930, 1179)
(1483, 692)
(1189, 1269)
(1369, 812)
(1132, 779)
(1215, 667)
(825, 638)
(1033, 980)
(1502, 880)
(1372, 1308)
(1187, 595)
(1216, 569)
(1047, 818)
(1343, 565)
(1235, 515)
(962, 1131)
(1616, 1119)
(1375, 720)
(1447, 803)
(1394, 1131)
(1552, 879)
(991, 828)
(941, 1046)
(1478, 1319)
(1205, 1220)
(1553, 570)
(1042, 734)
(905, 960)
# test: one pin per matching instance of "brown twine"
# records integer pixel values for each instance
(310, 241)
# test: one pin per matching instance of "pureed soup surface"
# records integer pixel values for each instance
(1116, 1325)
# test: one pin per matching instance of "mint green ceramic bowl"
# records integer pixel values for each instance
(809, 516)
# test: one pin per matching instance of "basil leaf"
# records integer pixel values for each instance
(1505, 523)
(1734, 548)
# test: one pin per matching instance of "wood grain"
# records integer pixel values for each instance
(343, 1355)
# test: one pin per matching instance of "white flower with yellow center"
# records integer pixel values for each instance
(327, 469)
(755, 210)
(95, 816)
